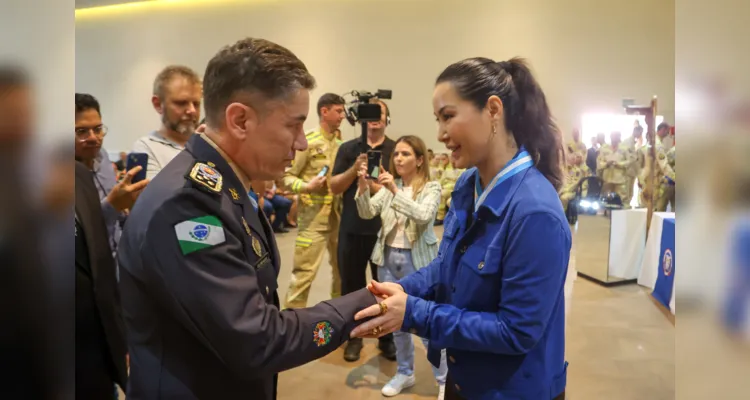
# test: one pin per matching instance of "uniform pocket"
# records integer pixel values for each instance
(483, 261)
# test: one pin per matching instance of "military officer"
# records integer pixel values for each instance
(575, 145)
(613, 161)
(199, 263)
(318, 216)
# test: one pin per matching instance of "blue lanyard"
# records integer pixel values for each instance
(517, 164)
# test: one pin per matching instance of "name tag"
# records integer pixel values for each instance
(263, 262)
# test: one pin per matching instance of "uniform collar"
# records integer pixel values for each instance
(329, 136)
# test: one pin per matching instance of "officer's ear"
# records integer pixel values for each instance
(241, 120)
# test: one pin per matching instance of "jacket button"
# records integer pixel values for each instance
(266, 289)
(452, 359)
(458, 388)
(463, 249)
(481, 265)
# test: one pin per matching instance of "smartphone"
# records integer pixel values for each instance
(373, 164)
(137, 159)
(323, 171)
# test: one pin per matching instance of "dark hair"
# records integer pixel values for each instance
(328, 100)
(251, 66)
(527, 115)
(85, 101)
(662, 126)
(13, 77)
(168, 73)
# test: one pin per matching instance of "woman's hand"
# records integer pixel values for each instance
(386, 179)
(362, 179)
(385, 322)
(381, 288)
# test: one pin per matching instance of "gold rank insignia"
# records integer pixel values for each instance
(233, 192)
(210, 164)
(256, 246)
(247, 228)
(206, 176)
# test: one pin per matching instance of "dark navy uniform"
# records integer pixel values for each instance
(198, 279)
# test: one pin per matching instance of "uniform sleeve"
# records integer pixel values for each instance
(292, 177)
(420, 212)
(532, 286)
(214, 292)
(664, 167)
(154, 167)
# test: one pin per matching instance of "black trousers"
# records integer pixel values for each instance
(354, 255)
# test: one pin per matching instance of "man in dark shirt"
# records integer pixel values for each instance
(357, 236)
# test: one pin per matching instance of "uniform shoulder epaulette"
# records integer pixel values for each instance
(206, 177)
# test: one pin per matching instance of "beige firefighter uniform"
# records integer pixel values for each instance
(447, 181)
(574, 174)
(574, 147)
(318, 217)
(665, 195)
(613, 165)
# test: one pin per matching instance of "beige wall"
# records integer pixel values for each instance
(588, 54)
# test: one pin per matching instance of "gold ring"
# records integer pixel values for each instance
(383, 308)
(376, 330)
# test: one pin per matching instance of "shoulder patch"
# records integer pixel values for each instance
(199, 233)
(322, 333)
(206, 176)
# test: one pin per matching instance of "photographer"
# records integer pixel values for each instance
(357, 236)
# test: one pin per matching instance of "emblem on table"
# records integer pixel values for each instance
(256, 246)
(235, 195)
(322, 333)
(667, 262)
(199, 233)
(206, 176)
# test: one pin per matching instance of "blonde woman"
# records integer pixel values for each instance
(408, 205)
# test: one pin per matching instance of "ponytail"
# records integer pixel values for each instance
(532, 123)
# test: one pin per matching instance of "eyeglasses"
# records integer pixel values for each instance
(100, 131)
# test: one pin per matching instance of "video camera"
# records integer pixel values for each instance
(361, 110)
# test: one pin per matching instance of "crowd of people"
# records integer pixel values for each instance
(195, 260)
(621, 165)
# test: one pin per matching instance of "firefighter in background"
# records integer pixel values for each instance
(318, 212)
(447, 181)
(575, 145)
(613, 162)
(664, 192)
(633, 146)
(574, 173)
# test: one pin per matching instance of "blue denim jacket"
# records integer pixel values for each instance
(493, 298)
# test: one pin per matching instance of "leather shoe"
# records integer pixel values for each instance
(387, 347)
(353, 347)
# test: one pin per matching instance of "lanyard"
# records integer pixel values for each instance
(517, 164)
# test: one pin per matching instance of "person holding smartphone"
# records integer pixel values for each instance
(318, 217)
(357, 236)
(407, 205)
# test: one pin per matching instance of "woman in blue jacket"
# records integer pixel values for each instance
(493, 297)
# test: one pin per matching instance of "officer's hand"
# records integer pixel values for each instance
(315, 184)
(124, 194)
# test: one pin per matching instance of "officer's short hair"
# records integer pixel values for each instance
(170, 72)
(328, 100)
(85, 101)
(251, 66)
